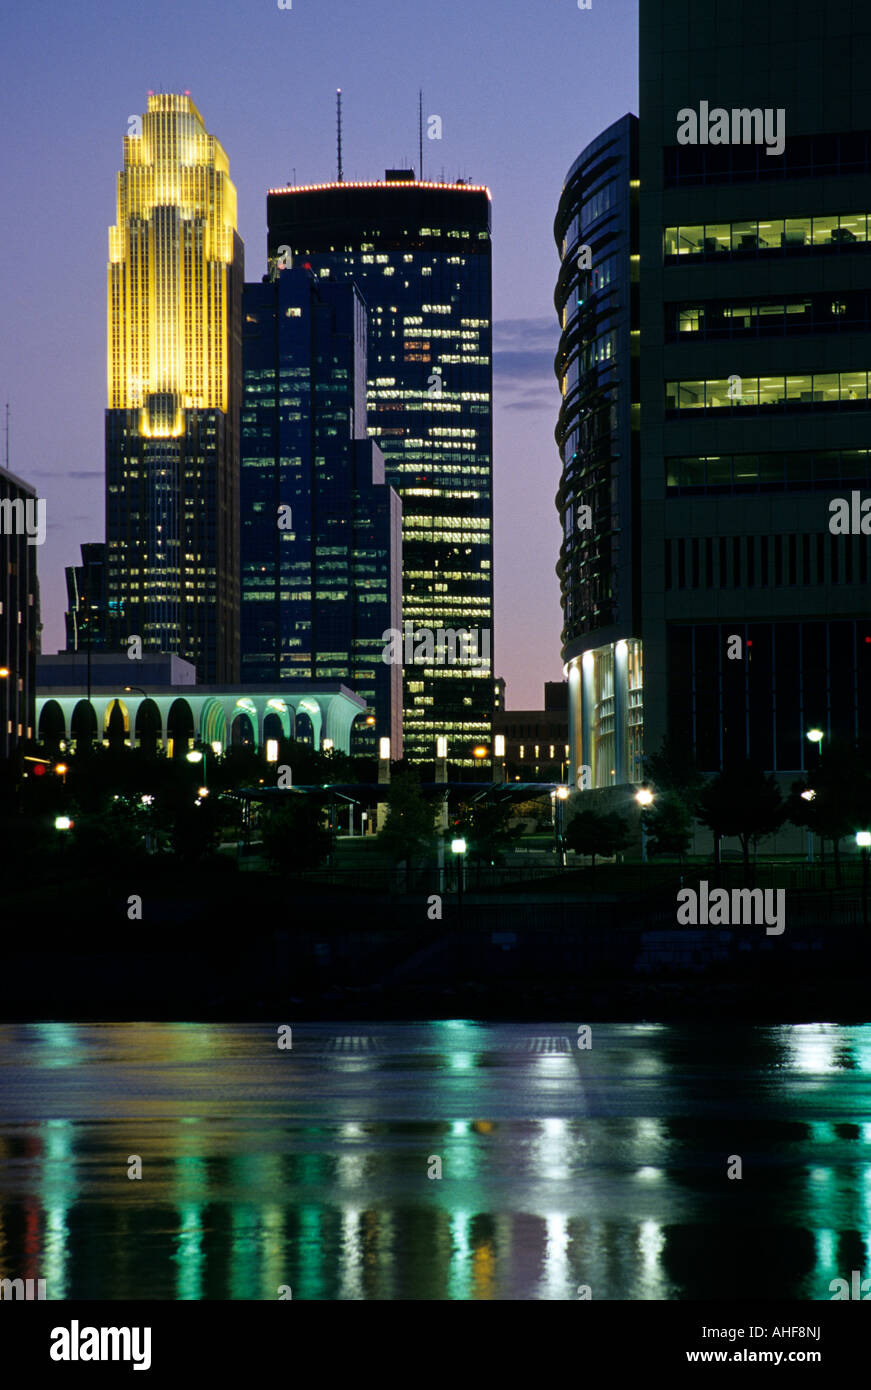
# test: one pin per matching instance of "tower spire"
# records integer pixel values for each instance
(340, 176)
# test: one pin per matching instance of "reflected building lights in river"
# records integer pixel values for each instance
(309, 1169)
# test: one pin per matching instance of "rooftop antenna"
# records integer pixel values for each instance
(7, 436)
(420, 131)
(340, 177)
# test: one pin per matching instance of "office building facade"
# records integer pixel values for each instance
(420, 256)
(86, 600)
(19, 613)
(174, 363)
(596, 298)
(321, 530)
(755, 167)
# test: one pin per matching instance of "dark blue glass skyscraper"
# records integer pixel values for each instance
(420, 256)
(320, 529)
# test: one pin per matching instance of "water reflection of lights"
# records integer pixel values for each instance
(555, 1274)
(351, 1169)
(649, 1174)
(463, 1061)
(554, 1062)
(553, 1149)
(811, 1047)
(649, 1131)
(59, 1184)
(351, 1255)
(651, 1243)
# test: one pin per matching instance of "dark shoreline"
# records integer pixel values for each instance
(245, 947)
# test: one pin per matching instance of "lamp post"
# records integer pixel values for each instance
(458, 848)
(197, 755)
(809, 795)
(816, 737)
(441, 776)
(560, 798)
(644, 797)
(863, 840)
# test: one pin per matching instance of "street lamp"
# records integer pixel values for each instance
(644, 797)
(809, 795)
(863, 840)
(198, 755)
(458, 848)
(816, 736)
(560, 798)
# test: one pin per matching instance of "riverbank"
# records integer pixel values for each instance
(249, 948)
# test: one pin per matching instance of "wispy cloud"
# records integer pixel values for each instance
(523, 353)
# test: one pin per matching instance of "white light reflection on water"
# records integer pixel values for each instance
(561, 1167)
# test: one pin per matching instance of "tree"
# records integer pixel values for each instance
(672, 769)
(839, 803)
(668, 825)
(597, 833)
(745, 802)
(294, 836)
(196, 830)
(484, 826)
(106, 842)
(409, 827)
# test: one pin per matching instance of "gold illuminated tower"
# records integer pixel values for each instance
(174, 370)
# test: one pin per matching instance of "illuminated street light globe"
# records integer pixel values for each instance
(480, 752)
(562, 793)
(193, 756)
(62, 823)
(863, 838)
(815, 735)
(458, 846)
(644, 797)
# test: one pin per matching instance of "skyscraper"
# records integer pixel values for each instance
(19, 612)
(172, 464)
(86, 596)
(420, 255)
(320, 528)
(755, 156)
(596, 298)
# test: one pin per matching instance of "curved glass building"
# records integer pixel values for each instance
(596, 299)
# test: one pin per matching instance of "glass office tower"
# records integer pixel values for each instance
(755, 294)
(321, 531)
(20, 625)
(596, 298)
(420, 255)
(172, 466)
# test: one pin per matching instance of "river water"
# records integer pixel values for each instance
(312, 1171)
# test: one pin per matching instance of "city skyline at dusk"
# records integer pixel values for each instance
(436, 864)
(69, 137)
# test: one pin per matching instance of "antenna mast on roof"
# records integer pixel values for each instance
(340, 176)
(7, 436)
(420, 131)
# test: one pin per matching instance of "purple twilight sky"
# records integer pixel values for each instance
(520, 88)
